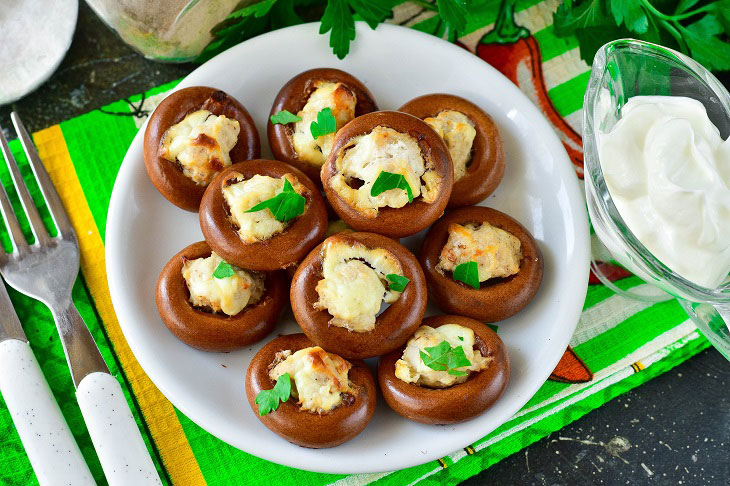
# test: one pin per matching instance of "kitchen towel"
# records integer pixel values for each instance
(618, 344)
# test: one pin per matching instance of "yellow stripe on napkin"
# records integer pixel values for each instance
(159, 414)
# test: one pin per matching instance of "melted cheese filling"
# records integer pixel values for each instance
(341, 100)
(411, 368)
(383, 149)
(497, 252)
(245, 194)
(229, 295)
(201, 144)
(319, 378)
(457, 131)
(354, 286)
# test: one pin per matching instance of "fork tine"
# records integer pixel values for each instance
(11, 221)
(55, 206)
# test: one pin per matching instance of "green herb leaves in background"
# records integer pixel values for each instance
(285, 206)
(468, 273)
(387, 181)
(284, 117)
(443, 357)
(397, 282)
(269, 400)
(336, 16)
(698, 28)
(325, 124)
(223, 270)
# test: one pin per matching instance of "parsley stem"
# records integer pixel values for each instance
(670, 26)
(425, 4)
(652, 9)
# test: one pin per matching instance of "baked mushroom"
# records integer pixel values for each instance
(388, 173)
(308, 396)
(481, 263)
(262, 215)
(473, 141)
(191, 136)
(214, 306)
(304, 97)
(340, 288)
(452, 369)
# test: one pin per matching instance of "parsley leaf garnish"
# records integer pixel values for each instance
(337, 17)
(387, 181)
(284, 117)
(443, 357)
(285, 206)
(397, 282)
(700, 32)
(224, 270)
(468, 273)
(325, 124)
(268, 400)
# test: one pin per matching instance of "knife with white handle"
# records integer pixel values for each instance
(51, 448)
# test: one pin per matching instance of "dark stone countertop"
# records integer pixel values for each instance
(673, 430)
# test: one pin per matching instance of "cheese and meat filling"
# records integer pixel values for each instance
(229, 295)
(319, 378)
(383, 149)
(244, 194)
(497, 252)
(201, 144)
(355, 285)
(411, 368)
(341, 100)
(457, 131)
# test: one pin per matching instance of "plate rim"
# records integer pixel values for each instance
(581, 247)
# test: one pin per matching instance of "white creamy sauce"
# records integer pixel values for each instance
(668, 172)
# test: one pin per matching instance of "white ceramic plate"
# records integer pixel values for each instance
(539, 189)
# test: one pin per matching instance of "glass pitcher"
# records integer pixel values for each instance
(169, 31)
(623, 69)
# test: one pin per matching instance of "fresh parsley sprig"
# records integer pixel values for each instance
(397, 282)
(387, 181)
(224, 270)
(284, 117)
(269, 400)
(285, 206)
(337, 18)
(698, 28)
(468, 273)
(325, 124)
(443, 357)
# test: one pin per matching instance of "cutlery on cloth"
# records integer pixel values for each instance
(48, 442)
(46, 271)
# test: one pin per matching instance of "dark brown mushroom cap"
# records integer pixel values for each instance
(167, 176)
(486, 169)
(497, 298)
(456, 403)
(209, 331)
(303, 427)
(281, 250)
(293, 96)
(413, 217)
(392, 328)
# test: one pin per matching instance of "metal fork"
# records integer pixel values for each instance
(46, 271)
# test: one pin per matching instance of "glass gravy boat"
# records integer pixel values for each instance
(622, 69)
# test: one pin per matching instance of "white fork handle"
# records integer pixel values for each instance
(50, 446)
(118, 442)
